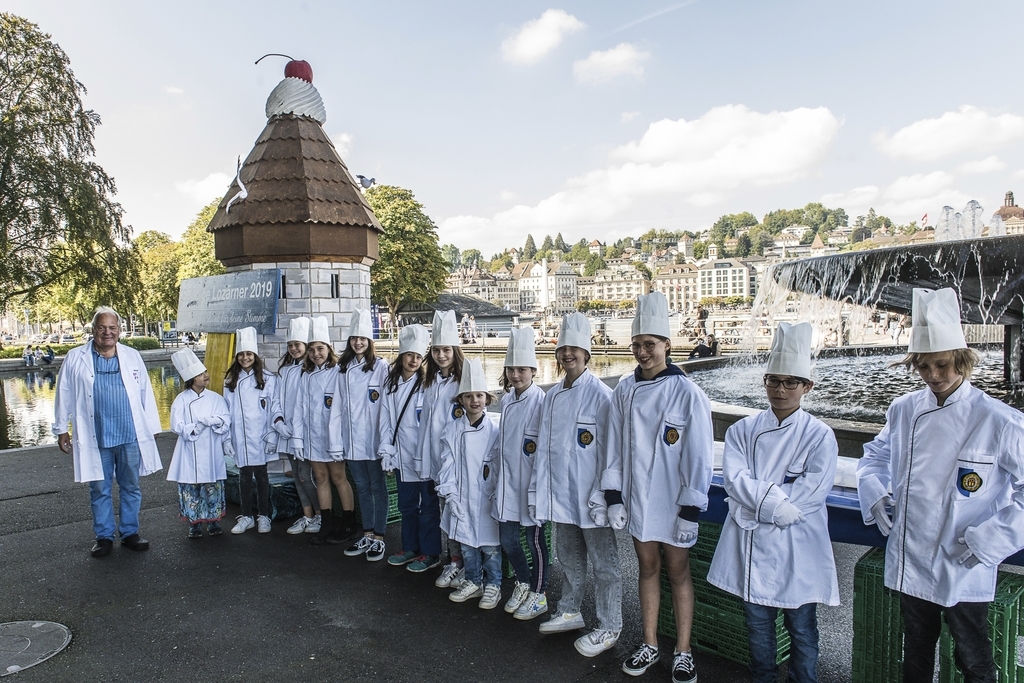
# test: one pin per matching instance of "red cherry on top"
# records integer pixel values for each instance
(299, 68)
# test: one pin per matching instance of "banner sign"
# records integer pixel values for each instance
(225, 303)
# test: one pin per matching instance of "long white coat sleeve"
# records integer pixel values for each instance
(464, 478)
(198, 454)
(514, 452)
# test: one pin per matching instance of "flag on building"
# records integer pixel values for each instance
(924, 220)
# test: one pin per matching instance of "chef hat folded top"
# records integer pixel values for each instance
(414, 338)
(791, 351)
(575, 332)
(936, 322)
(521, 353)
(472, 377)
(321, 331)
(245, 340)
(298, 330)
(651, 315)
(445, 331)
(360, 325)
(187, 364)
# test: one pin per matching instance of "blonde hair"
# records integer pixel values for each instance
(964, 361)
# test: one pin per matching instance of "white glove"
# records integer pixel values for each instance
(298, 452)
(598, 514)
(967, 558)
(387, 463)
(882, 518)
(787, 514)
(617, 516)
(270, 448)
(685, 531)
(281, 427)
(457, 511)
(229, 450)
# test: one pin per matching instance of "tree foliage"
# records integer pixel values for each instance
(529, 249)
(58, 221)
(548, 244)
(452, 257)
(410, 267)
(593, 264)
(196, 250)
(159, 275)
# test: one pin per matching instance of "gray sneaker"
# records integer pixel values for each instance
(570, 621)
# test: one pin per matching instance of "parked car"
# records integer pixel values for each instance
(68, 339)
(54, 339)
(7, 339)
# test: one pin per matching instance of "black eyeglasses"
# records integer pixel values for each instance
(647, 346)
(789, 383)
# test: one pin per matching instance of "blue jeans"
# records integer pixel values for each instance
(537, 577)
(421, 517)
(802, 624)
(372, 492)
(575, 548)
(490, 571)
(120, 462)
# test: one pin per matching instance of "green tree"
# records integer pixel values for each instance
(196, 250)
(744, 245)
(776, 221)
(644, 270)
(410, 267)
(727, 225)
(452, 257)
(529, 249)
(579, 251)
(700, 250)
(593, 264)
(560, 244)
(159, 275)
(614, 251)
(471, 258)
(548, 244)
(58, 221)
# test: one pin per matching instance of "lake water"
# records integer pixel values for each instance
(847, 388)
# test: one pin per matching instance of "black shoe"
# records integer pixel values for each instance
(135, 542)
(102, 547)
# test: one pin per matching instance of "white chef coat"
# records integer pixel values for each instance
(956, 471)
(288, 387)
(312, 414)
(253, 411)
(660, 451)
(439, 411)
(514, 452)
(466, 476)
(355, 411)
(73, 404)
(199, 452)
(571, 439)
(767, 462)
(403, 447)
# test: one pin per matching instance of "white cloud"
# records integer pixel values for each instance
(205, 190)
(986, 165)
(967, 130)
(507, 195)
(342, 143)
(699, 162)
(536, 38)
(622, 60)
(1018, 175)
(628, 116)
(171, 90)
(904, 200)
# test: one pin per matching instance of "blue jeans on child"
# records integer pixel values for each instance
(575, 546)
(421, 517)
(487, 574)
(372, 493)
(537, 577)
(120, 462)
(802, 624)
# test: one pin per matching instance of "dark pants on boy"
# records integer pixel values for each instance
(968, 625)
(421, 516)
(245, 475)
(802, 624)
(537, 577)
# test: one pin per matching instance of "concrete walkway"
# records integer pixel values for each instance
(273, 608)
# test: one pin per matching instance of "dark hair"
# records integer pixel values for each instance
(231, 376)
(287, 359)
(189, 383)
(395, 374)
(457, 359)
(332, 357)
(490, 397)
(504, 382)
(369, 358)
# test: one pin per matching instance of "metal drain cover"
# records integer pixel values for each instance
(26, 643)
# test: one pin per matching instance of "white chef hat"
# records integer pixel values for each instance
(413, 338)
(936, 322)
(521, 352)
(575, 332)
(473, 377)
(187, 364)
(791, 351)
(361, 324)
(298, 329)
(651, 315)
(445, 331)
(245, 340)
(321, 331)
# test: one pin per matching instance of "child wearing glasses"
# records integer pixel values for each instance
(659, 459)
(775, 552)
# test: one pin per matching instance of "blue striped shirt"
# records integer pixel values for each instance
(112, 411)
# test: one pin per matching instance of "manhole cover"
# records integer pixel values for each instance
(26, 643)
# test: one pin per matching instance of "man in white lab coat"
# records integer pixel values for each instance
(950, 465)
(104, 393)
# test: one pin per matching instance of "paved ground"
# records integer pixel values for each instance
(273, 608)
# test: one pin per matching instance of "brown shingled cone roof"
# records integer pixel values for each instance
(294, 175)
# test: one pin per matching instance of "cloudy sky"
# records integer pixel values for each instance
(593, 119)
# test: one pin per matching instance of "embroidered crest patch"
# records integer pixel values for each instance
(584, 437)
(457, 411)
(487, 472)
(374, 395)
(328, 400)
(968, 481)
(671, 435)
(529, 446)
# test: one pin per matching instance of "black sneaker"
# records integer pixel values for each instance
(641, 660)
(195, 531)
(683, 670)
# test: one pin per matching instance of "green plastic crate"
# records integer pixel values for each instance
(707, 541)
(877, 623)
(1004, 624)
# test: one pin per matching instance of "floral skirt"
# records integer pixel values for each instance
(201, 502)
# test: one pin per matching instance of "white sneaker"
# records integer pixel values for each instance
(465, 592)
(244, 524)
(569, 621)
(535, 605)
(447, 574)
(458, 579)
(300, 525)
(596, 642)
(313, 527)
(263, 524)
(519, 595)
(492, 596)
